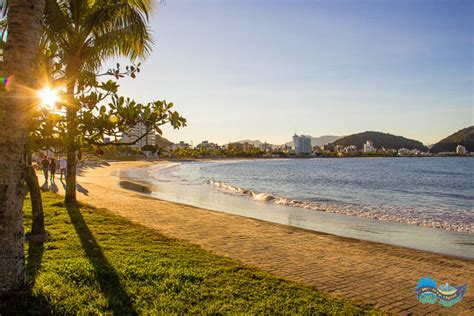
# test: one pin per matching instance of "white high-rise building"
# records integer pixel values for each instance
(136, 132)
(461, 150)
(369, 147)
(302, 144)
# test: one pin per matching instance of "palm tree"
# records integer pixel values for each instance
(19, 56)
(87, 33)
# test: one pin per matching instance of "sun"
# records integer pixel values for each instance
(48, 97)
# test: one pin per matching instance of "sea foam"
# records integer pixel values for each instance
(442, 218)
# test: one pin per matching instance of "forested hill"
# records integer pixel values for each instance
(380, 140)
(463, 137)
(162, 142)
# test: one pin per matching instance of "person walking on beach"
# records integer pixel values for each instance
(45, 166)
(52, 168)
(62, 168)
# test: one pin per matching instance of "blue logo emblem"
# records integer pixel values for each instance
(446, 295)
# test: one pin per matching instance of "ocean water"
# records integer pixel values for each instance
(423, 203)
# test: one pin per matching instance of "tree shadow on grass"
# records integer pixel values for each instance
(24, 301)
(35, 257)
(118, 301)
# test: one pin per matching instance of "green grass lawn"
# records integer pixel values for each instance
(98, 263)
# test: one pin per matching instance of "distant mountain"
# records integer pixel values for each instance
(256, 143)
(463, 137)
(162, 142)
(319, 141)
(380, 140)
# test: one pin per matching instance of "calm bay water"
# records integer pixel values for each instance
(417, 201)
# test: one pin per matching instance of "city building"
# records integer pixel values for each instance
(350, 149)
(369, 147)
(389, 151)
(415, 152)
(403, 152)
(207, 145)
(265, 147)
(241, 146)
(182, 144)
(338, 148)
(461, 150)
(282, 148)
(136, 132)
(327, 148)
(302, 144)
(316, 149)
(247, 146)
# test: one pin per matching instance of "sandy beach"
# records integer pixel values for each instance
(378, 274)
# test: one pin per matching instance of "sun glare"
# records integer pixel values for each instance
(48, 97)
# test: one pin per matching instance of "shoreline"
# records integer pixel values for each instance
(170, 191)
(191, 159)
(350, 268)
(369, 226)
(145, 195)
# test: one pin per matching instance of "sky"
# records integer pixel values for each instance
(265, 69)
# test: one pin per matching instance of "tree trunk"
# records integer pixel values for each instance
(38, 232)
(70, 197)
(24, 32)
(71, 115)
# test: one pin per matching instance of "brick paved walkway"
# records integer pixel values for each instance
(377, 274)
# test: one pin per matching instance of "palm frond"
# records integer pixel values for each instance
(145, 6)
(77, 9)
(91, 31)
(121, 42)
(58, 26)
(118, 16)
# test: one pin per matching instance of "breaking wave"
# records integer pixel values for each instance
(443, 218)
(156, 171)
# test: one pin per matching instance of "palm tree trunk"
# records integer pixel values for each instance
(24, 31)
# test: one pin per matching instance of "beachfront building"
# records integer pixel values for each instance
(461, 150)
(282, 148)
(182, 145)
(327, 148)
(207, 145)
(389, 151)
(403, 152)
(350, 149)
(266, 147)
(316, 149)
(302, 144)
(136, 132)
(338, 148)
(369, 147)
(415, 152)
(246, 146)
